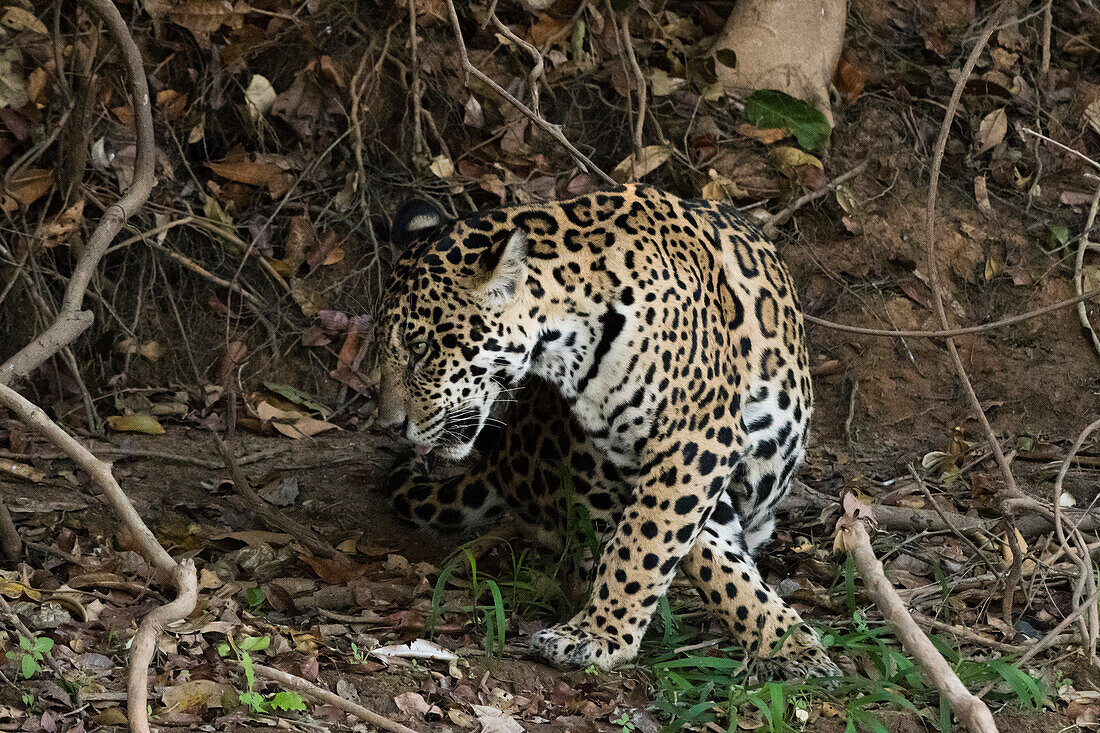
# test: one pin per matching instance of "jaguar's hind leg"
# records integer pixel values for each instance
(448, 504)
(720, 567)
(526, 466)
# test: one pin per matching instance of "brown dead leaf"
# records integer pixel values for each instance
(766, 135)
(171, 104)
(412, 703)
(722, 188)
(1083, 715)
(13, 85)
(848, 77)
(546, 28)
(152, 350)
(254, 173)
(335, 571)
(200, 694)
(17, 19)
(29, 185)
(60, 229)
(38, 85)
(642, 163)
(346, 370)
(22, 470)
(991, 130)
(304, 427)
(306, 104)
(201, 17)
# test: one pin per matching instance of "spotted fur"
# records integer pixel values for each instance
(654, 351)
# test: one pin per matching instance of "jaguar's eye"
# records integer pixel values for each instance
(418, 348)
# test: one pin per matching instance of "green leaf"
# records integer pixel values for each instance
(30, 666)
(43, 645)
(768, 108)
(213, 211)
(298, 397)
(254, 643)
(286, 700)
(255, 596)
(726, 57)
(1059, 236)
(498, 614)
(249, 674)
(254, 701)
(577, 42)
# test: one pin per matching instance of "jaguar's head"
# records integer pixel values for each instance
(452, 330)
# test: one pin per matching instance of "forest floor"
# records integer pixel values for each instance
(308, 194)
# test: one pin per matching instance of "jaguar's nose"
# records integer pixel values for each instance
(398, 423)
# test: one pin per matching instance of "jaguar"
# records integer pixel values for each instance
(650, 356)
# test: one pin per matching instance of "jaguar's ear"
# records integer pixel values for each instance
(505, 265)
(416, 219)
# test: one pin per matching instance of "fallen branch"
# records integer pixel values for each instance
(319, 693)
(116, 454)
(553, 131)
(937, 303)
(183, 576)
(144, 643)
(909, 519)
(969, 709)
(10, 542)
(1079, 267)
(271, 516)
(1011, 320)
(71, 321)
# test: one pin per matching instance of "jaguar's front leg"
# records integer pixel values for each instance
(666, 511)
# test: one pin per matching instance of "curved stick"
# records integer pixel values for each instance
(71, 320)
(145, 643)
(970, 709)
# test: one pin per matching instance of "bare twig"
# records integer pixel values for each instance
(319, 693)
(538, 71)
(970, 709)
(114, 454)
(420, 146)
(963, 633)
(162, 562)
(1086, 581)
(71, 321)
(1044, 65)
(270, 515)
(1011, 320)
(639, 79)
(10, 542)
(1064, 148)
(941, 313)
(1052, 637)
(1079, 264)
(144, 643)
(773, 222)
(954, 530)
(553, 130)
